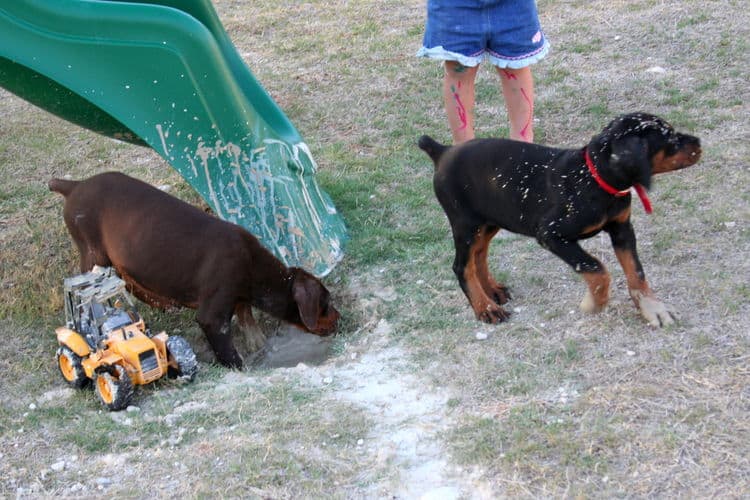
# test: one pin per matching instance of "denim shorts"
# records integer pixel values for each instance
(505, 32)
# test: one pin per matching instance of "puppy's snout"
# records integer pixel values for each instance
(691, 146)
(690, 141)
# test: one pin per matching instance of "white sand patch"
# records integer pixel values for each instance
(409, 418)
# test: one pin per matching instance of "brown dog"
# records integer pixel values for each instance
(173, 254)
(558, 196)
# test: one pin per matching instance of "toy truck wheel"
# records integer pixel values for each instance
(182, 361)
(114, 387)
(71, 368)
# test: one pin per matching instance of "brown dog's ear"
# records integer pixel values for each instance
(306, 292)
(629, 156)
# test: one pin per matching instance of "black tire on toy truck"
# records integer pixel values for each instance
(71, 367)
(182, 361)
(114, 387)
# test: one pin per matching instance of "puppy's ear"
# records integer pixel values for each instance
(629, 155)
(307, 294)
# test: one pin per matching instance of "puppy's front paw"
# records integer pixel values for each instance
(589, 305)
(656, 312)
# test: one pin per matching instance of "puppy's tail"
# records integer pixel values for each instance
(433, 148)
(62, 186)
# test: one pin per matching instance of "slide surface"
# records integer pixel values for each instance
(164, 73)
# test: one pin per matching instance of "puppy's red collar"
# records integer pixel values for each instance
(640, 190)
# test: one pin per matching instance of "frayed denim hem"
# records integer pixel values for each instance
(518, 62)
(498, 60)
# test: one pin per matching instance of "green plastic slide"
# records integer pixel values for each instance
(164, 73)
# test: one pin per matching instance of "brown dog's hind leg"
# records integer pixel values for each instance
(495, 290)
(469, 245)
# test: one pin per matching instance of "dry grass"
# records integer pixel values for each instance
(553, 403)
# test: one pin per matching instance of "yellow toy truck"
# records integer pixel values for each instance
(106, 341)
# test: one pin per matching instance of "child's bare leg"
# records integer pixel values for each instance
(458, 96)
(518, 91)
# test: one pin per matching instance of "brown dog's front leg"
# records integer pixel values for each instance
(252, 337)
(216, 322)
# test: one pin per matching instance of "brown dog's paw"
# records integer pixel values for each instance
(493, 315)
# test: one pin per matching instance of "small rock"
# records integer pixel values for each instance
(387, 294)
(630, 353)
(132, 409)
(32, 406)
(656, 70)
(103, 481)
(481, 336)
(383, 328)
(58, 466)
(328, 380)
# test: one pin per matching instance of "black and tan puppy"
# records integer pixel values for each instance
(558, 196)
(173, 254)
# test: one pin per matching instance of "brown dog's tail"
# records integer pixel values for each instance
(433, 148)
(62, 186)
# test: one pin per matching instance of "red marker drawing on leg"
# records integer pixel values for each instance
(525, 129)
(509, 75)
(460, 109)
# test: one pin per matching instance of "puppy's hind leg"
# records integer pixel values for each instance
(495, 290)
(469, 242)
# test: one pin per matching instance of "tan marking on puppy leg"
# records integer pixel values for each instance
(629, 267)
(652, 309)
(493, 289)
(597, 295)
(484, 307)
(481, 252)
